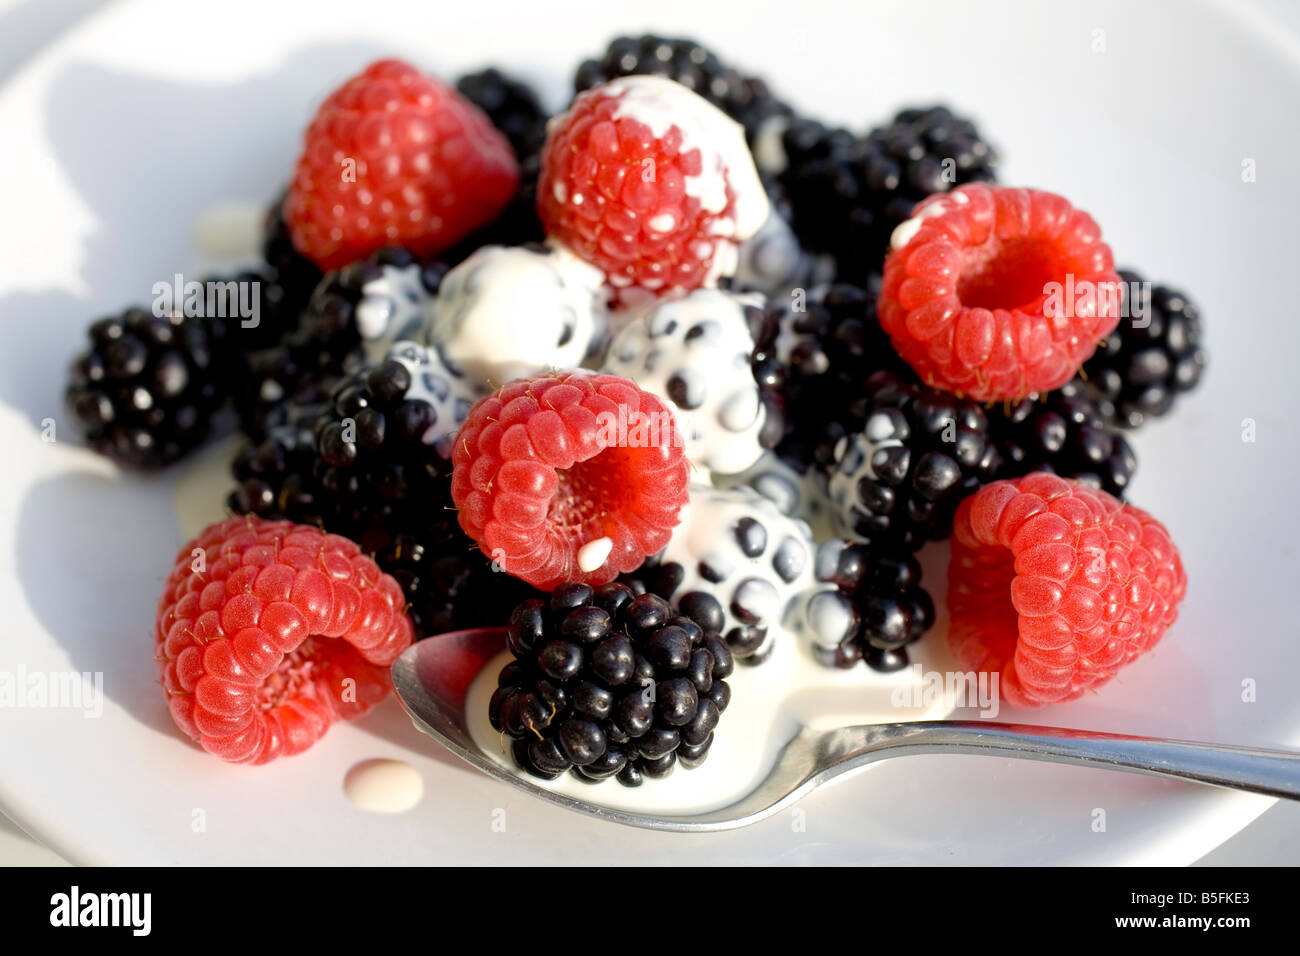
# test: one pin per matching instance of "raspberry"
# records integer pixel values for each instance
(996, 293)
(267, 632)
(571, 476)
(395, 157)
(1092, 584)
(651, 183)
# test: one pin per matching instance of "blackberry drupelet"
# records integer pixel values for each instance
(848, 193)
(896, 479)
(1065, 433)
(607, 683)
(1153, 356)
(811, 358)
(145, 391)
(745, 99)
(874, 608)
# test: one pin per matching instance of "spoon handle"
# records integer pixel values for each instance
(1272, 772)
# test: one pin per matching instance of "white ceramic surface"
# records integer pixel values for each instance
(118, 135)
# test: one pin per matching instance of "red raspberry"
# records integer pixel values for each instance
(656, 209)
(260, 628)
(393, 157)
(996, 293)
(548, 466)
(1092, 584)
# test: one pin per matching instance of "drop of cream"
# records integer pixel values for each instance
(229, 230)
(383, 786)
(593, 554)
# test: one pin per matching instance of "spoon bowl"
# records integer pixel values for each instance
(433, 677)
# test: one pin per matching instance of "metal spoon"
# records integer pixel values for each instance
(433, 678)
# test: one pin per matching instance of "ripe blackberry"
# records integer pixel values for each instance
(296, 274)
(1065, 433)
(848, 193)
(1152, 357)
(276, 477)
(896, 481)
(145, 391)
(874, 607)
(355, 312)
(511, 105)
(745, 99)
(607, 683)
(812, 355)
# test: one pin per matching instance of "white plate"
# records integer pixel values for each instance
(118, 135)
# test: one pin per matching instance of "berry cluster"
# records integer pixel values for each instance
(609, 368)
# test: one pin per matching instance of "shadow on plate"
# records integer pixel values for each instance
(119, 140)
(92, 555)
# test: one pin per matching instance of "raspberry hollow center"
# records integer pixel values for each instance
(1011, 274)
(291, 678)
(589, 493)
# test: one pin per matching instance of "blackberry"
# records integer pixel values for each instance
(745, 99)
(384, 437)
(875, 606)
(848, 193)
(513, 107)
(811, 358)
(607, 683)
(1153, 356)
(276, 477)
(1065, 433)
(896, 482)
(295, 273)
(145, 391)
(355, 312)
